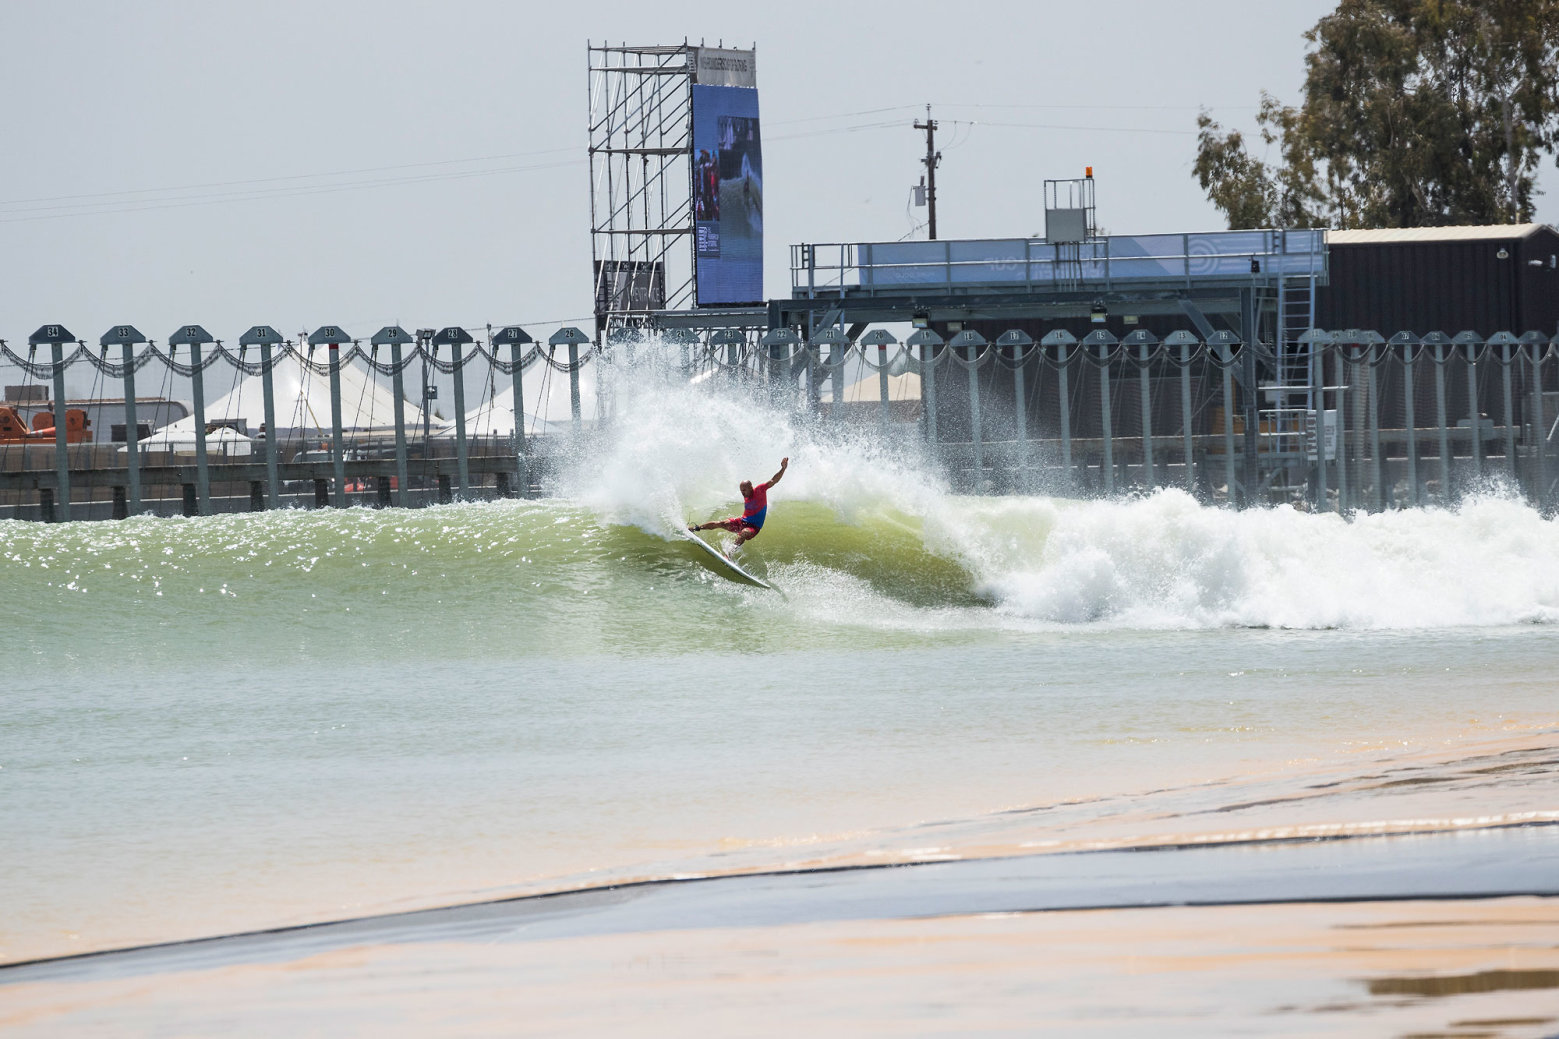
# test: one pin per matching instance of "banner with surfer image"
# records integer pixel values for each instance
(727, 195)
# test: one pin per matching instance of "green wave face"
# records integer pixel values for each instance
(868, 547)
(517, 579)
(886, 550)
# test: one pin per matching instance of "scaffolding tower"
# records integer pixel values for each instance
(641, 182)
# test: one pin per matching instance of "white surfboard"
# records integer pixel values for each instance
(725, 565)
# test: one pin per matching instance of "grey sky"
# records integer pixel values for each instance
(363, 164)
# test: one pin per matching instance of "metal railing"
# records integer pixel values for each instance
(1102, 264)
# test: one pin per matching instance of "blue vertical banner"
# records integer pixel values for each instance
(727, 180)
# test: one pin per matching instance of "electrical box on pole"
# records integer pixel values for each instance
(932, 160)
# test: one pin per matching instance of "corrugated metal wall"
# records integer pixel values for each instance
(1449, 286)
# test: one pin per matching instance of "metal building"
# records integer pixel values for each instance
(1485, 278)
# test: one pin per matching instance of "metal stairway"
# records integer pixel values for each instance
(1296, 316)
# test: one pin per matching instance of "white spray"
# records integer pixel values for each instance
(675, 451)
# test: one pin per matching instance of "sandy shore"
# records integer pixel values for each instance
(1443, 968)
(1450, 933)
(1408, 895)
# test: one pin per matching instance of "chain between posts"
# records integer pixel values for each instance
(904, 358)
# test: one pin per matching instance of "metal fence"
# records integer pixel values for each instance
(326, 421)
(1335, 421)
(1361, 423)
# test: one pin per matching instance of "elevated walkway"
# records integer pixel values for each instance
(1010, 277)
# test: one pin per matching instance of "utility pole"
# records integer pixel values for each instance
(932, 160)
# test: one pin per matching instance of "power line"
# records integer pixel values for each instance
(833, 130)
(843, 115)
(132, 200)
(1105, 108)
(1087, 129)
(111, 206)
(273, 180)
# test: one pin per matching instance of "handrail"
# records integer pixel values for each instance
(1103, 263)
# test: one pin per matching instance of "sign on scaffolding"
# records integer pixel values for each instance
(727, 178)
(629, 286)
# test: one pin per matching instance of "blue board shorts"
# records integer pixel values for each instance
(736, 523)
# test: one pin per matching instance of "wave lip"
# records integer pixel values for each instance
(1164, 561)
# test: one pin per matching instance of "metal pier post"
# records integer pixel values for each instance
(814, 394)
(1020, 414)
(882, 389)
(972, 341)
(1381, 494)
(395, 337)
(462, 445)
(779, 344)
(928, 390)
(1510, 414)
(882, 339)
(61, 439)
(928, 341)
(1356, 405)
(1415, 492)
(398, 388)
(332, 336)
(1185, 418)
(128, 336)
(337, 436)
(1318, 388)
(457, 338)
(194, 337)
(1145, 395)
(1228, 421)
(572, 337)
(836, 383)
(838, 350)
(272, 439)
(573, 384)
(1345, 503)
(1440, 421)
(1539, 429)
(1066, 415)
(1473, 414)
(1252, 408)
(518, 339)
(132, 430)
(265, 337)
(1020, 343)
(202, 455)
(1105, 419)
(1105, 342)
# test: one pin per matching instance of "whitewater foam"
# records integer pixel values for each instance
(1166, 561)
(675, 452)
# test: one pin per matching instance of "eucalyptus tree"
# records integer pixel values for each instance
(1415, 113)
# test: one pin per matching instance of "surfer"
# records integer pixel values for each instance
(755, 505)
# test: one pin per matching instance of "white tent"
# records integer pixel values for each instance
(869, 389)
(303, 401)
(220, 442)
(495, 416)
(547, 406)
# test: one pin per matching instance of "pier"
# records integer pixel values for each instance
(1339, 421)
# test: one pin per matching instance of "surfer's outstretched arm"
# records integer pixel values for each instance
(784, 464)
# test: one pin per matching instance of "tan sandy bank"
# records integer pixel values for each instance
(1427, 968)
(1468, 782)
